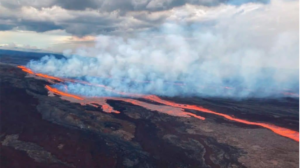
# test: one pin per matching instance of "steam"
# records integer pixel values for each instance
(250, 53)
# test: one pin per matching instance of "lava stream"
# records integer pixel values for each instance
(101, 101)
(56, 91)
(39, 74)
(278, 130)
(177, 109)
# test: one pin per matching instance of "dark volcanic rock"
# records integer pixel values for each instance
(42, 131)
(34, 151)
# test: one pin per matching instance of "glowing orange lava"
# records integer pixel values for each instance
(25, 69)
(194, 115)
(278, 130)
(56, 91)
(101, 101)
(169, 107)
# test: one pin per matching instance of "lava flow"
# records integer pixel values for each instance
(25, 69)
(168, 107)
(101, 101)
(278, 130)
(54, 90)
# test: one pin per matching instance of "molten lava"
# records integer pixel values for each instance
(39, 74)
(278, 130)
(101, 101)
(56, 91)
(169, 107)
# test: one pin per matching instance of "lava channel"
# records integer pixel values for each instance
(177, 111)
(101, 101)
(278, 130)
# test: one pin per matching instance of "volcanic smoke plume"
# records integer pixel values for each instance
(242, 54)
(167, 107)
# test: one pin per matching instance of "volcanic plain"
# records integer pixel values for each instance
(40, 128)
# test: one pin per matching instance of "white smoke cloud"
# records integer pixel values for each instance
(251, 48)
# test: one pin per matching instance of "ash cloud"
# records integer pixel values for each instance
(253, 53)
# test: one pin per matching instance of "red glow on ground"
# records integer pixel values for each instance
(56, 91)
(173, 111)
(95, 102)
(48, 77)
(101, 101)
(170, 108)
(278, 130)
(194, 115)
(25, 69)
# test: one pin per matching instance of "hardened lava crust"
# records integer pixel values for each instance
(38, 130)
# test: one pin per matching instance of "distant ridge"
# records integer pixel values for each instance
(23, 57)
(20, 52)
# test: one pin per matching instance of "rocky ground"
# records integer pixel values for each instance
(42, 131)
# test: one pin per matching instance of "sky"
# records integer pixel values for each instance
(56, 26)
(252, 45)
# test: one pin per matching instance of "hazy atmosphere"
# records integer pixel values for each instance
(249, 47)
(149, 83)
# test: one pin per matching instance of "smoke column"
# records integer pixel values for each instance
(251, 51)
